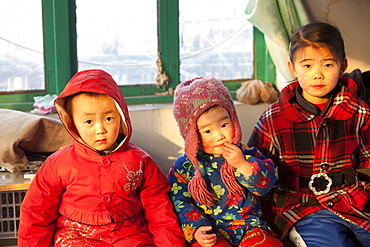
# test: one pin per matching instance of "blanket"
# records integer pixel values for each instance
(25, 136)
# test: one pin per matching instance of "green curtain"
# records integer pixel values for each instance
(277, 20)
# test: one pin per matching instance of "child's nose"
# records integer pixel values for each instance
(100, 129)
(220, 136)
(318, 74)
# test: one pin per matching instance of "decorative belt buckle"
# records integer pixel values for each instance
(318, 175)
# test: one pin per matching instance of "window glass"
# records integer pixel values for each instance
(119, 37)
(21, 50)
(215, 39)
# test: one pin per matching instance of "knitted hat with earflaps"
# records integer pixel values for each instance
(192, 98)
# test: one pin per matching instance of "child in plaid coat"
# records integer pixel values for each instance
(318, 134)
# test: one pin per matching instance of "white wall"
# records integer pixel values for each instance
(352, 17)
(155, 130)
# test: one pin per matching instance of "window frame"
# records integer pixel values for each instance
(60, 57)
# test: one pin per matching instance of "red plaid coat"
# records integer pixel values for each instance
(299, 142)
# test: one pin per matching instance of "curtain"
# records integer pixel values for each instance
(277, 20)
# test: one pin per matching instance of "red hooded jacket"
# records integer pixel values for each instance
(81, 196)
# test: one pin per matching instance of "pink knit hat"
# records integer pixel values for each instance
(192, 98)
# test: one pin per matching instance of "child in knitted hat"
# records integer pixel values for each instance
(215, 185)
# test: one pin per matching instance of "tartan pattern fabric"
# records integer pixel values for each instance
(299, 142)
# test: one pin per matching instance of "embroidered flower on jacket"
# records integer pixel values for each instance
(186, 194)
(187, 165)
(209, 171)
(134, 177)
(233, 200)
(214, 165)
(263, 182)
(175, 188)
(181, 178)
(217, 210)
(178, 205)
(255, 167)
(229, 216)
(189, 231)
(233, 227)
(238, 222)
(206, 210)
(193, 215)
(245, 211)
(218, 190)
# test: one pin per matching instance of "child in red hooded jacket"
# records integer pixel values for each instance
(101, 190)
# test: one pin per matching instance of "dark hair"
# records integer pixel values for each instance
(318, 35)
(68, 99)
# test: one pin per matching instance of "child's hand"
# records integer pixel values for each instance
(203, 238)
(235, 157)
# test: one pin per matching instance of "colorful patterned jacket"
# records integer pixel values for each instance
(302, 142)
(229, 216)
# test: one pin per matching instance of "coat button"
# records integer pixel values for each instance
(330, 204)
(106, 162)
(107, 198)
(324, 166)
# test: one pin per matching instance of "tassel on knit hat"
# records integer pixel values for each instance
(191, 99)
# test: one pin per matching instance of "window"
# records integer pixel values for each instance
(21, 51)
(215, 40)
(77, 37)
(121, 41)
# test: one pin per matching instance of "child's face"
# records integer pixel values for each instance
(215, 128)
(317, 71)
(96, 119)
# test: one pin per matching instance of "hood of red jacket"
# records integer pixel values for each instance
(95, 81)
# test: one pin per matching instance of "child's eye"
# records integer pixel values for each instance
(88, 121)
(328, 65)
(109, 119)
(224, 125)
(207, 131)
(307, 66)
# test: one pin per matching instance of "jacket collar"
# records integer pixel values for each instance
(343, 102)
(311, 108)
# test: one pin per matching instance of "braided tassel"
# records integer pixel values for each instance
(198, 189)
(229, 179)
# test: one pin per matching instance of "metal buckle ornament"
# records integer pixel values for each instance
(318, 175)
